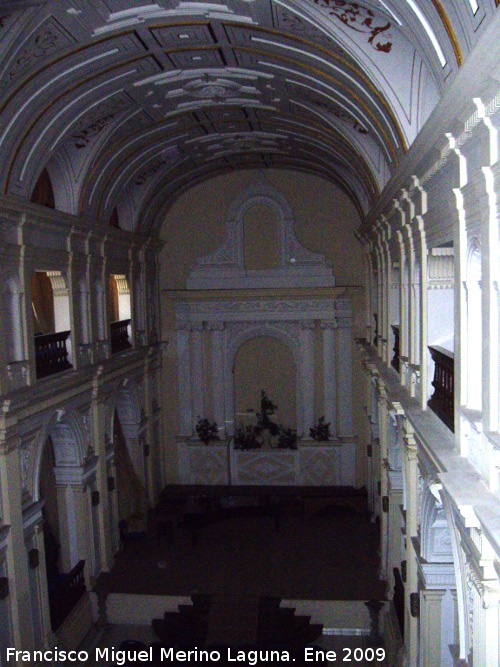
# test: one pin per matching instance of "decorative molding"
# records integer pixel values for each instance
(287, 20)
(441, 268)
(361, 19)
(50, 37)
(225, 268)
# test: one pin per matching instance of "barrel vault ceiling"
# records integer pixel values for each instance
(128, 103)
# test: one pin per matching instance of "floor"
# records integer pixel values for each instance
(346, 648)
(328, 552)
(332, 554)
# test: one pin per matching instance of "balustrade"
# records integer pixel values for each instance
(442, 400)
(51, 354)
(64, 597)
(119, 336)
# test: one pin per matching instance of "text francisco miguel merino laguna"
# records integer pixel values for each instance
(122, 657)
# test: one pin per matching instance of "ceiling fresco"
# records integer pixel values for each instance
(127, 104)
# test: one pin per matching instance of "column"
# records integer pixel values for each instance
(184, 374)
(75, 517)
(307, 357)
(217, 332)
(430, 627)
(99, 445)
(344, 333)
(329, 374)
(383, 463)
(197, 375)
(17, 567)
(411, 503)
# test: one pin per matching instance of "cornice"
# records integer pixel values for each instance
(26, 214)
(473, 79)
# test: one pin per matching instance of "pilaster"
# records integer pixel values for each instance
(197, 374)
(17, 567)
(329, 373)
(218, 406)
(307, 348)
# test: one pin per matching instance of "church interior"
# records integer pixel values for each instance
(249, 282)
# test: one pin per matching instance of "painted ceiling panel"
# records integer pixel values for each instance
(127, 103)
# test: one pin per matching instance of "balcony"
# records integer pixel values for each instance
(119, 336)
(442, 400)
(51, 353)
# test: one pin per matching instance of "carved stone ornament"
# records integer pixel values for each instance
(415, 604)
(225, 268)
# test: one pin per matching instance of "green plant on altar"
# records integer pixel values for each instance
(247, 437)
(207, 430)
(287, 438)
(267, 408)
(320, 432)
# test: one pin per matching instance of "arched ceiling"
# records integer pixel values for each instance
(129, 103)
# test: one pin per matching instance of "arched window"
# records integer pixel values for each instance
(119, 312)
(51, 322)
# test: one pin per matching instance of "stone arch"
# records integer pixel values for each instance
(254, 331)
(70, 441)
(125, 402)
(75, 478)
(128, 446)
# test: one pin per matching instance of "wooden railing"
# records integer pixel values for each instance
(442, 400)
(51, 354)
(64, 597)
(395, 349)
(119, 336)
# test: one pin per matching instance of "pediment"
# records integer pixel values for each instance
(225, 268)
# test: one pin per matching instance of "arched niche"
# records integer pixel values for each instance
(67, 433)
(74, 475)
(266, 363)
(125, 416)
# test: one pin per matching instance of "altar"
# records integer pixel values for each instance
(285, 329)
(311, 464)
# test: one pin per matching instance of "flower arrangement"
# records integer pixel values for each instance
(246, 437)
(320, 432)
(207, 430)
(265, 432)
